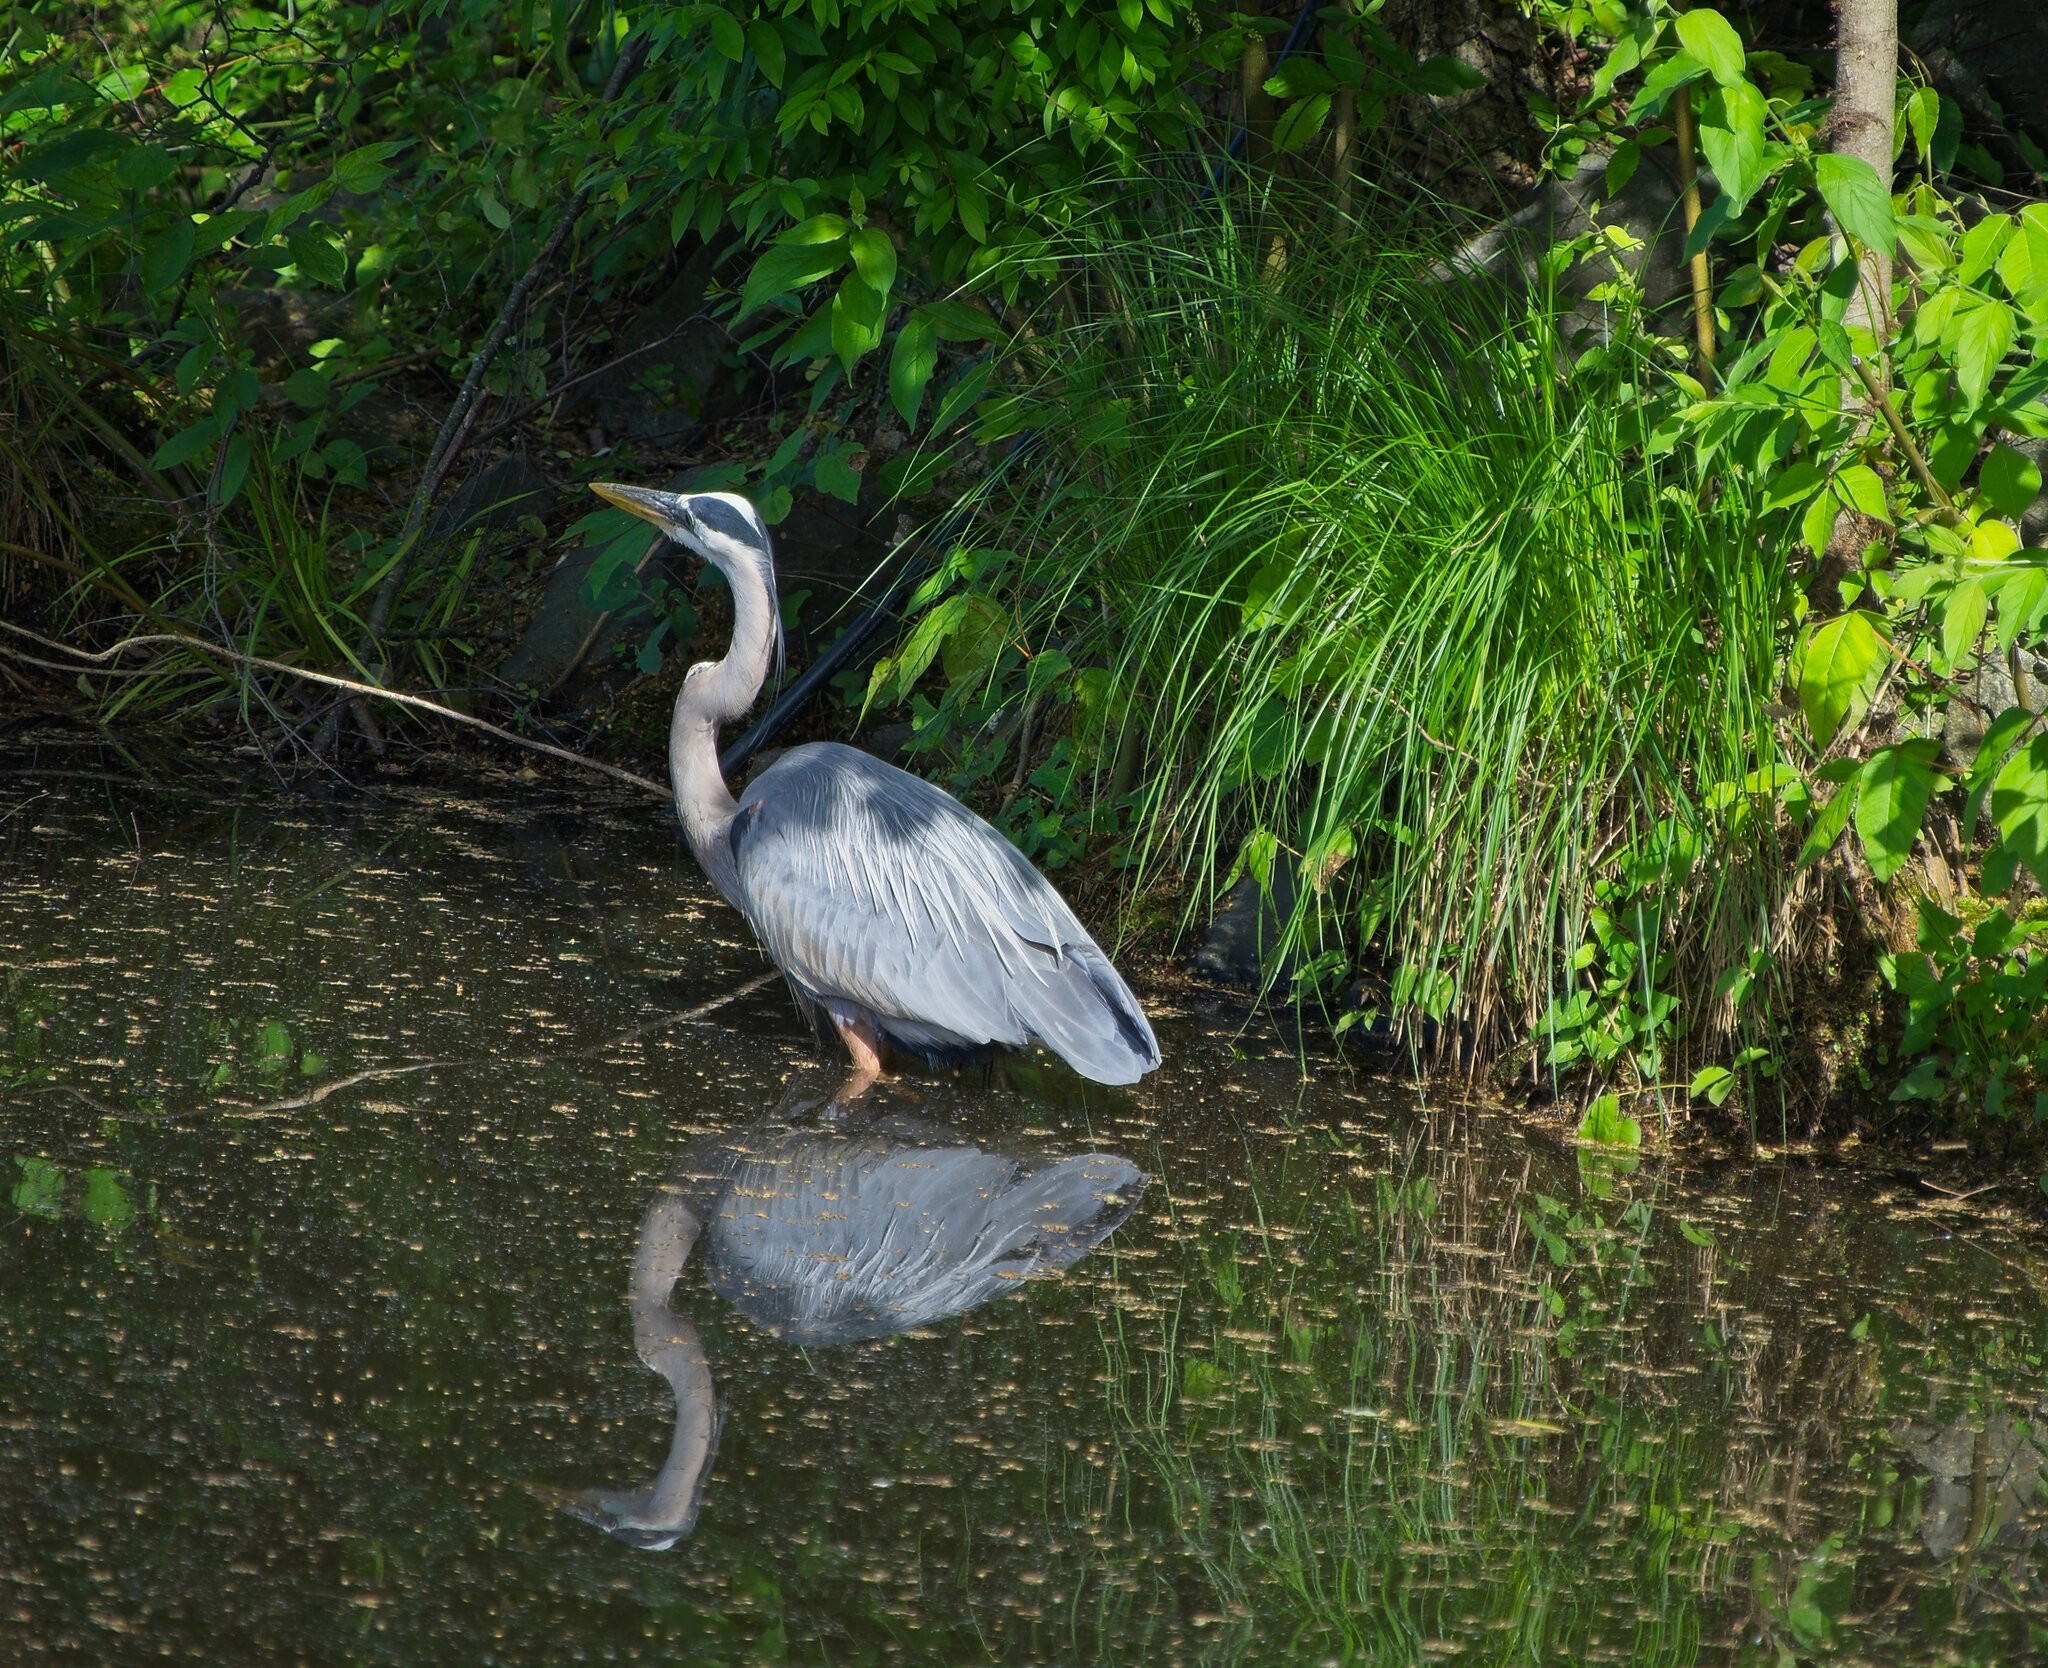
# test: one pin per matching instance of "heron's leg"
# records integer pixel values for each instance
(863, 1042)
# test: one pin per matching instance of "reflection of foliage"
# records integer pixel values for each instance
(1484, 1454)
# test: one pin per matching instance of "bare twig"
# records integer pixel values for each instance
(84, 657)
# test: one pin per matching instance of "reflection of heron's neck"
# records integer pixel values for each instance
(669, 1344)
(713, 694)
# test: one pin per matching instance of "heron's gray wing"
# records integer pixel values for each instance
(870, 884)
(826, 1238)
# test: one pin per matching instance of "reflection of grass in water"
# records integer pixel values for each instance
(1383, 1484)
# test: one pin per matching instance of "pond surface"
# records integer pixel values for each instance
(302, 1365)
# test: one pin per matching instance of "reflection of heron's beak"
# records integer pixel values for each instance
(648, 506)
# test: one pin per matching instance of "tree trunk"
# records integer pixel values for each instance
(1866, 81)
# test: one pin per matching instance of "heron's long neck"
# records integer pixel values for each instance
(669, 1344)
(713, 695)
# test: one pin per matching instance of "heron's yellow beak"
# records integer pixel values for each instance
(648, 506)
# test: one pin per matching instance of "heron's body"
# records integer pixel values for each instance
(894, 910)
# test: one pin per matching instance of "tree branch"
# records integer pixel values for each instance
(82, 658)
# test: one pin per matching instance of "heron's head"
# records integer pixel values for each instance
(722, 527)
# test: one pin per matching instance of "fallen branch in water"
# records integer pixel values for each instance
(87, 657)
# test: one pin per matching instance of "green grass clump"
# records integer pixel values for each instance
(1368, 575)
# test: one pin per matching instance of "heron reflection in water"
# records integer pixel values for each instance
(830, 1233)
(896, 913)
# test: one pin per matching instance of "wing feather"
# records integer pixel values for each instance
(871, 885)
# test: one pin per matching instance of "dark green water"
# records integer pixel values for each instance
(1360, 1378)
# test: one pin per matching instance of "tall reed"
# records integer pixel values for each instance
(1378, 580)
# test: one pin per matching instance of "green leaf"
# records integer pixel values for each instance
(857, 317)
(1828, 824)
(40, 1192)
(727, 35)
(874, 258)
(1794, 482)
(788, 267)
(1709, 37)
(1891, 799)
(2010, 479)
(306, 387)
(234, 470)
(911, 363)
(106, 1204)
(1731, 132)
(1300, 123)
(1857, 198)
(1984, 336)
(145, 168)
(493, 210)
(1860, 487)
(1606, 1125)
(1678, 70)
(364, 169)
(1962, 620)
(1300, 78)
(2021, 593)
(186, 444)
(1715, 1082)
(168, 254)
(318, 253)
(2019, 806)
(834, 473)
(961, 396)
(1817, 525)
(2005, 729)
(1921, 112)
(926, 641)
(1621, 166)
(960, 321)
(768, 50)
(1839, 668)
(1982, 245)
(1444, 75)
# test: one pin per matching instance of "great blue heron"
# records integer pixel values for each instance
(893, 909)
(834, 1235)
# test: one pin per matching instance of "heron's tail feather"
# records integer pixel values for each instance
(1048, 1220)
(1081, 1009)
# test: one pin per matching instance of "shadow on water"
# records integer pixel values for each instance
(828, 1226)
(1369, 1378)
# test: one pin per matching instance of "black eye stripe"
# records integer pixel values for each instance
(722, 518)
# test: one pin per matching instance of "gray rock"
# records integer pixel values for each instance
(566, 640)
(667, 375)
(1243, 943)
(493, 498)
(1646, 208)
(1980, 697)
(2034, 524)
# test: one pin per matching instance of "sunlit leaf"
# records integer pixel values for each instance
(2010, 479)
(1607, 1125)
(1731, 132)
(1838, 670)
(1857, 198)
(1709, 37)
(1984, 336)
(911, 363)
(2019, 808)
(1891, 799)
